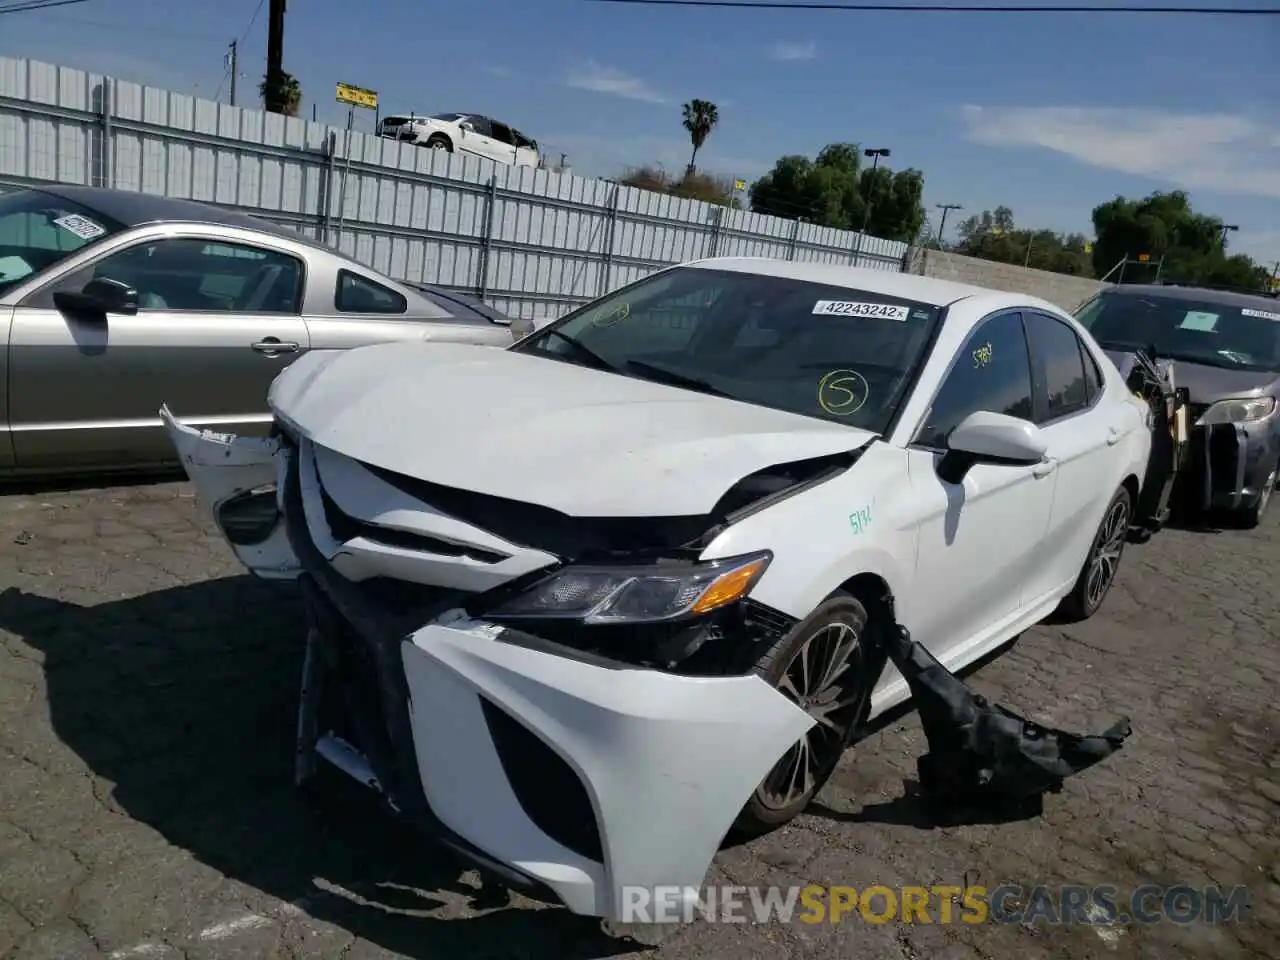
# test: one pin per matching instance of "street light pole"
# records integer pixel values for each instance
(875, 153)
(942, 224)
(1227, 228)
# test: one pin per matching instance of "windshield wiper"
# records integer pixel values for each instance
(677, 379)
(582, 350)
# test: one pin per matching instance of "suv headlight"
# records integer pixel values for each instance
(1238, 411)
(638, 594)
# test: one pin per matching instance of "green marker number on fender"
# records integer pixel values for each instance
(859, 520)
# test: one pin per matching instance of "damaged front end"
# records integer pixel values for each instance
(547, 695)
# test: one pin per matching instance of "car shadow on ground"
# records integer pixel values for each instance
(185, 699)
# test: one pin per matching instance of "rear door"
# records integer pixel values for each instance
(505, 142)
(216, 322)
(1081, 433)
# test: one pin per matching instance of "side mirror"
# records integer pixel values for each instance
(521, 327)
(986, 437)
(100, 296)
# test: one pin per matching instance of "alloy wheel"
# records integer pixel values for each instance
(1106, 555)
(823, 680)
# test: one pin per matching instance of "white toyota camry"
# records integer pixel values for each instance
(581, 606)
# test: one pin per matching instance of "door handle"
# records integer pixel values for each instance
(273, 345)
(1113, 436)
(1044, 468)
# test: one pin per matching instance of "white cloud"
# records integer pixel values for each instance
(1222, 152)
(793, 52)
(601, 79)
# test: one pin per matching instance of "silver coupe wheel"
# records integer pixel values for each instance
(1106, 555)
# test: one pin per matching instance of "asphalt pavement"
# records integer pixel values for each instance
(147, 696)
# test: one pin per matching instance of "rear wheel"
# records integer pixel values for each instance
(824, 666)
(1100, 567)
(438, 141)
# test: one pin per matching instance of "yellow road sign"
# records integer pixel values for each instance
(357, 96)
(1144, 257)
(1088, 248)
(739, 184)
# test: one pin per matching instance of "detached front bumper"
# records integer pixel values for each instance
(1228, 465)
(561, 772)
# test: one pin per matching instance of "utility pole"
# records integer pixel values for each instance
(275, 45)
(233, 67)
(942, 224)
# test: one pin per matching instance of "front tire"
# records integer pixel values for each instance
(438, 141)
(826, 666)
(1250, 517)
(1102, 563)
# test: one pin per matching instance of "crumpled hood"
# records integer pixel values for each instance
(1208, 384)
(577, 440)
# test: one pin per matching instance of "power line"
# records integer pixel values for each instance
(232, 63)
(24, 6)
(948, 8)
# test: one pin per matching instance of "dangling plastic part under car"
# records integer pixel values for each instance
(568, 775)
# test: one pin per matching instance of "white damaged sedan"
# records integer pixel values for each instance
(581, 606)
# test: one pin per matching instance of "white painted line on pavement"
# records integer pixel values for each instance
(220, 931)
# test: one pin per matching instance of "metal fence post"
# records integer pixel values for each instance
(611, 227)
(326, 203)
(717, 227)
(108, 108)
(486, 240)
(795, 234)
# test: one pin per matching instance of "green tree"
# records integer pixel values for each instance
(833, 190)
(993, 235)
(281, 93)
(692, 186)
(1165, 226)
(700, 118)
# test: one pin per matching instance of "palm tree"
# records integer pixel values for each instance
(700, 117)
(284, 95)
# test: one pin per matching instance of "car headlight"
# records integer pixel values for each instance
(639, 594)
(1238, 411)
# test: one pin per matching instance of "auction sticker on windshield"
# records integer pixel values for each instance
(853, 308)
(1261, 314)
(82, 227)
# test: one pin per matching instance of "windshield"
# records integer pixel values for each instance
(823, 351)
(38, 230)
(1196, 331)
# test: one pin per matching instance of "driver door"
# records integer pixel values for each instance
(216, 321)
(978, 538)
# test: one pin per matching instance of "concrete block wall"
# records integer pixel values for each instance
(1066, 291)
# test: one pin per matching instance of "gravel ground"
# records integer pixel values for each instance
(146, 720)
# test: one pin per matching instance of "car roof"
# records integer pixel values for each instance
(890, 283)
(133, 209)
(1226, 298)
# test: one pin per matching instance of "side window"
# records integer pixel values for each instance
(1055, 350)
(481, 126)
(502, 133)
(357, 294)
(991, 372)
(190, 274)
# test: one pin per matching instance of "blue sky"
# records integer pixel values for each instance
(1049, 115)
